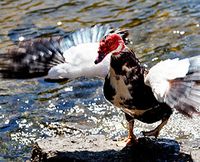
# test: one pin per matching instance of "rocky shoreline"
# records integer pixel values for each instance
(98, 148)
(76, 142)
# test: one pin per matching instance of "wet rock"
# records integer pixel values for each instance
(97, 148)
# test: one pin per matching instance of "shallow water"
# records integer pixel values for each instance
(33, 109)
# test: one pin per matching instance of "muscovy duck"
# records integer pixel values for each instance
(57, 58)
(149, 95)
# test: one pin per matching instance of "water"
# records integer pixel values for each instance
(34, 109)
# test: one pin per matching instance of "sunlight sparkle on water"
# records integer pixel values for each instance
(21, 38)
(179, 32)
(59, 23)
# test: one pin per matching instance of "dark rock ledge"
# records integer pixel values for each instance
(96, 148)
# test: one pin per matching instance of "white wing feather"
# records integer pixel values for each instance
(80, 62)
(177, 83)
(159, 76)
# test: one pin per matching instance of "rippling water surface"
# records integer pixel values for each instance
(33, 109)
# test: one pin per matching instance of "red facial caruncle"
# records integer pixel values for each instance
(112, 43)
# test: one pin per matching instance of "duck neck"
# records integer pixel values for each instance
(126, 64)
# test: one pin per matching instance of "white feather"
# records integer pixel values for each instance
(80, 62)
(159, 76)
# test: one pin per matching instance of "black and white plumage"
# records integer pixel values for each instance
(149, 95)
(62, 57)
(177, 83)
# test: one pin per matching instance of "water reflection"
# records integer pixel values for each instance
(32, 109)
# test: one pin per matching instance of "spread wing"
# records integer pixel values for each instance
(34, 58)
(177, 83)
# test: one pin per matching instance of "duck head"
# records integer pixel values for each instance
(111, 44)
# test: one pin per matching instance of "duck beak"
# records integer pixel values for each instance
(100, 57)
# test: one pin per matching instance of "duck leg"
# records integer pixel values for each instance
(155, 132)
(131, 137)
